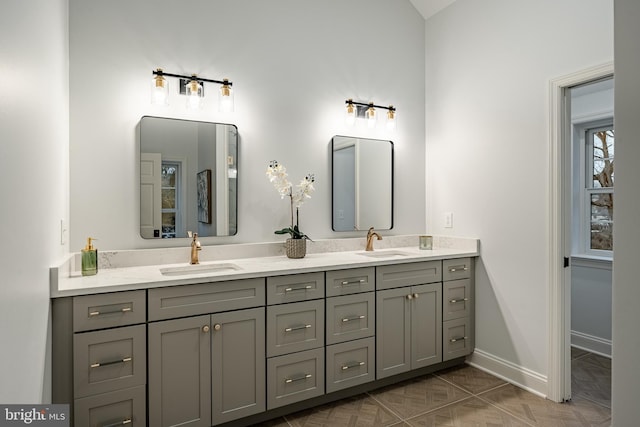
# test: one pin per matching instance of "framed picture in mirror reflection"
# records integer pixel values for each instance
(204, 196)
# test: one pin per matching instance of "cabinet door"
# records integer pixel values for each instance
(393, 329)
(180, 372)
(426, 325)
(238, 364)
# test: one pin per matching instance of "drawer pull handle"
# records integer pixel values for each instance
(300, 378)
(455, 301)
(299, 289)
(297, 328)
(458, 268)
(119, 423)
(99, 313)
(352, 282)
(350, 319)
(113, 362)
(458, 339)
(352, 365)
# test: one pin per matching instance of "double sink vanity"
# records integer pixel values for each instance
(237, 341)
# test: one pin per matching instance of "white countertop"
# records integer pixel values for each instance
(66, 281)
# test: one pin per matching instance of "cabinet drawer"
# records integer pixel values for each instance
(109, 360)
(108, 310)
(344, 282)
(295, 377)
(350, 317)
(350, 364)
(454, 269)
(296, 287)
(192, 300)
(457, 338)
(122, 407)
(295, 327)
(417, 273)
(457, 299)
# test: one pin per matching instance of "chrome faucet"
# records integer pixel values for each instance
(195, 247)
(370, 235)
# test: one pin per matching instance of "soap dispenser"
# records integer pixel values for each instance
(89, 259)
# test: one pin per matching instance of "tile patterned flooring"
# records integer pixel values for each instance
(465, 396)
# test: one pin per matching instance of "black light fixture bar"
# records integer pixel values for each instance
(371, 104)
(192, 77)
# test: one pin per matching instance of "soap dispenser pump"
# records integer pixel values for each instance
(89, 259)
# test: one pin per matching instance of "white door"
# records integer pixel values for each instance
(150, 191)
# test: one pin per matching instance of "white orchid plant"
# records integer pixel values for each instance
(277, 174)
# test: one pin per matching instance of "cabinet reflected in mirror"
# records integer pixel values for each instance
(188, 178)
(362, 183)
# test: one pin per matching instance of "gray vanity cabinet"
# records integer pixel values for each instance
(458, 308)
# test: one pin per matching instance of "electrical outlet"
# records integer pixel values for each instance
(448, 220)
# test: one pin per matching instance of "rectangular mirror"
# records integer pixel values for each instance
(362, 183)
(188, 178)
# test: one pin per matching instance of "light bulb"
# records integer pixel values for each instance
(371, 116)
(194, 95)
(225, 97)
(159, 89)
(351, 114)
(391, 118)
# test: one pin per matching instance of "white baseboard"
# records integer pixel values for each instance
(522, 377)
(591, 343)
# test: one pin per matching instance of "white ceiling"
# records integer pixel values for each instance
(429, 8)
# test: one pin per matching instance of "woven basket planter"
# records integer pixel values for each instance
(295, 248)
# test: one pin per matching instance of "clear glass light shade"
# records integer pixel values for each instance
(225, 98)
(391, 120)
(350, 114)
(159, 91)
(371, 117)
(194, 95)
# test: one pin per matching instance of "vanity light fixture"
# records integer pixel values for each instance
(193, 87)
(368, 111)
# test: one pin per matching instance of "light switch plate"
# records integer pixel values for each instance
(448, 220)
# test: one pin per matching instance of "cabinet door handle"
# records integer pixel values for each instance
(458, 339)
(350, 319)
(205, 328)
(352, 282)
(300, 378)
(99, 313)
(119, 423)
(455, 301)
(305, 288)
(458, 268)
(409, 296)
(217, 327)
(297, 328)
(416, 296)
(352, 365)
(112, 362)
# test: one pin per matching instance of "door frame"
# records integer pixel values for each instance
(559, 357)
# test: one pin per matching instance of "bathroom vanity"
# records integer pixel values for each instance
(237, 342)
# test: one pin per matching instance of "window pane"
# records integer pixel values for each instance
(168, 198)
(602, 221)
(169, 176)
(168, 224)
(603, 145)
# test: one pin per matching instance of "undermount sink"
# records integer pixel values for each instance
(384, 254)
(198, 269)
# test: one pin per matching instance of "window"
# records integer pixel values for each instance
(170, 198)
(598, 189)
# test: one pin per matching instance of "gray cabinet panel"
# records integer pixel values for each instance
(458, 339)
(122, 407)
(350, 317)
(295, 287)
(457, 299)
(416, 273)
(454, 269)
(350, 364)
(393, 329)
(109, 310)
(180, 372)
(295, 327)
(426, 325)
(238, 364)
(110, 359)
(351, 281)
(192, 300)
(295, 377)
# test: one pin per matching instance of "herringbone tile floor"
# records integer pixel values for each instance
(465, 396)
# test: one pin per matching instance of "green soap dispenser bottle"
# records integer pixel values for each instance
(89, 259)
